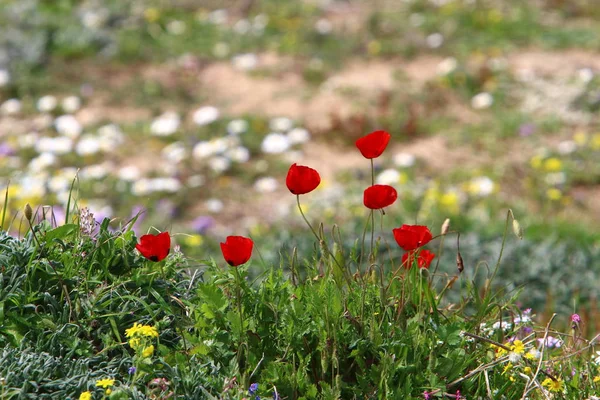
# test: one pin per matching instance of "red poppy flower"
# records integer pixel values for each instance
(237, 250)
(423, 257)
(373, 144)
(379, 196)
(301, 179)
(410, 237)
(155, 247)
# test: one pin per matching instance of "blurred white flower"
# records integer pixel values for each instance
(34, 185)
(238, 154)
(95, 171)
(267, 184)
(221, 50)
(59, 183)
(46, 103)
(219, 164)
(141, 187)
(68, 125)
(165, 184)
(242, 26)
(482, 186)
(435, 40)
(205, 115)
(4, 77)
(176, 27)
(245, 62)
(28, 140)
(275, 143)
(166, 124)
(584, 74)
(281, 124)
(110, 137)
(195, 181)
(41, 162)
(206, 149)
(298, 136)
(129, 173)
(404, 160)
(259, 23)
(482, 100)
(416, 19)
(11, 107)
(175, 152)
(94, 19)
(237, 126)
(88, 145)
(567, 147)
(71, 104)
(388, 177)
(214, 205)
(323, 26)
(42, 122)
(555, 178)
(55, 145)
(447, 66)
(218, 17)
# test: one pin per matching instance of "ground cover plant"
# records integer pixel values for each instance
(90, 312)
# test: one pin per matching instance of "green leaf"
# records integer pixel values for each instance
(62, 232)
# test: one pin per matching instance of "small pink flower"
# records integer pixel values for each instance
(575, 318)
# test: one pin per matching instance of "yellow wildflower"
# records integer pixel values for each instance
(553, 194)
(151, 14)
(532, 354)
(85, 396)
(108, 392)
(141, 330)
(507, 368)
(552, 164)
(105, 383)
(553, 385)
(148, 351)
(580, 138)
(527, 370)
(134, 343)
(595, 142)
(536, 162)
(518, 347)
(596, 379)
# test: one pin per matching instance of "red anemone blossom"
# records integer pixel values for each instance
(410, 237)
(155, 247)
(301, 179)
(373, 144)
(237, 250)
(379, 196)
(423, 257)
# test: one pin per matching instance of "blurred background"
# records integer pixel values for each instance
(189, 114)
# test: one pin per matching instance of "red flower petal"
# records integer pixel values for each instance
(155, 247)
(301, 179)
(379, 196)
(410, 237)
(373, 144)
(423, 257)
(237, 250)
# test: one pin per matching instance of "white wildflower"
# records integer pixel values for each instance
(46, 103)
(267, 184)
(219, 164)
(129, 173)
(205, 115)
(281, 124)
(245, 62)
(166, 124)
(54, 145)
(404, 160)
(71, 104)
(68, 125)
(238, 154)
(435, 40)
(237, 126)
(11, 107)
(482, 101)
(388, 176)
(214, 205)
(298, 136)
(4, 77)
(275, 143)
(447, 66)
(88, 145)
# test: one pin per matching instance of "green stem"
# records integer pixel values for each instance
(305, 219)
(238, 290)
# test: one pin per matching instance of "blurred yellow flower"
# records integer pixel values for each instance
(507, 368)
(141, 330)
(580, 138)
(595, 142)
(374, 47)
(85, 396)
(450, 202)
(553, 194)
(148, 351)
(527, 370)
(193, 240)
(596, 379)
(134, 343)
(105, 383)
(552, 164)
(536, 162)
(151, 14)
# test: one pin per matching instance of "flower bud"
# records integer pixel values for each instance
(28, 212)
(517, 230)
(446, 226)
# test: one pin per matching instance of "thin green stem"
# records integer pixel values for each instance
(238, 290)
(305, 219)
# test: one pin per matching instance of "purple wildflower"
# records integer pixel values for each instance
(253, 388)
